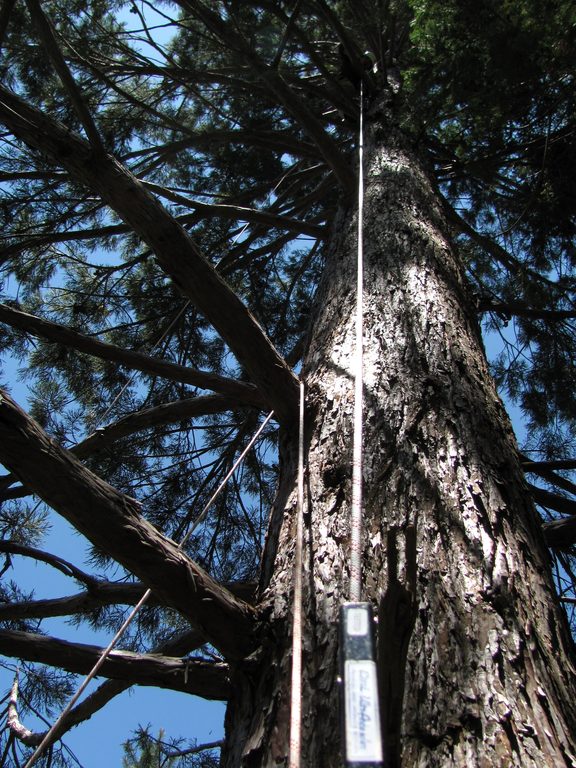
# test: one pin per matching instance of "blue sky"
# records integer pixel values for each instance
(98, 741)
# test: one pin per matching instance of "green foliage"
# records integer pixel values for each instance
(147, 751)
(488, 98)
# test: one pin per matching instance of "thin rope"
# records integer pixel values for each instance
(50, 735)
(296, 682)
(48, 738)
(357, 451)
(231, 471)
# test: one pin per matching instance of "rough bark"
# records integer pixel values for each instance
(475, 657)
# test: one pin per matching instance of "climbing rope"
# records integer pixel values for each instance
(51, 734)
(357, 449)
(361, 738)
(296, 682)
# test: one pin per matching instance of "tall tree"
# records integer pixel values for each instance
(180, 231)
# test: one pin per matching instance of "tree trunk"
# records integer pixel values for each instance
(474, 653)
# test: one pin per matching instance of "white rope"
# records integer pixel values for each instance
(231, 471)
(51, 733)
(357, 450)
(296, 682)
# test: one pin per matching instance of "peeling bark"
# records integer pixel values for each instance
(477, 657)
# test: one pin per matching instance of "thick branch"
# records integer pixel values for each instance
(536, 466)
(169, 413)
(175, 250)
(553, 500)
(520, 309)
(104, 437)
(50, 331)
(111, 521)
(195, 676)
(545, 469)
(100, 595)
(178, 646)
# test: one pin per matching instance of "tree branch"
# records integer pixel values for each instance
(561, 534)
(106, 436)
(68, 569)
(46, 329)
(520, 309)
(111, 521)
(279, 88)
(48, 38)
(13, 721)
(178, 646)
(208, 679)
(168, 413)
(176, 252)
(553, 500)
(99, 595)
(240, 213)
(545, 469)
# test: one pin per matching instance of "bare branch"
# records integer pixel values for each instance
(13, 721)
(68, 569)
(168, 413)
(245, 393)
(195, 676)
(193, 750)
(100, 595)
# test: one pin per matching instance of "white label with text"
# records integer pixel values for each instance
(363, 740)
